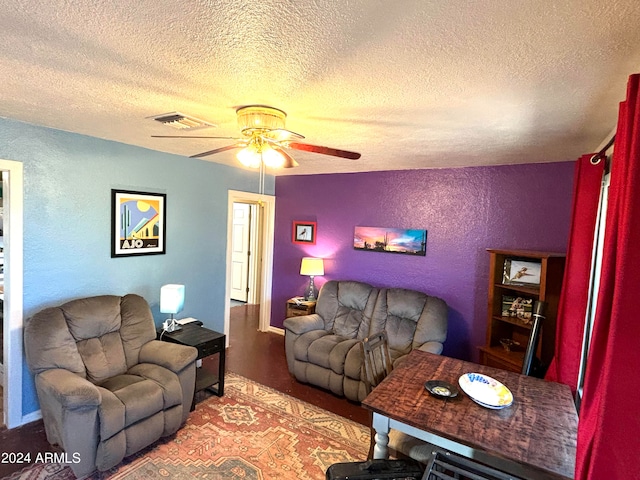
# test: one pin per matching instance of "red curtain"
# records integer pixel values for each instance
(609, 426)
(572, 308)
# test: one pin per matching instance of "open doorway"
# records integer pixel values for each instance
(262, 227)
(245, 254)
(12, 321)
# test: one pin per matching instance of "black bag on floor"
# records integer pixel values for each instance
(375, 470)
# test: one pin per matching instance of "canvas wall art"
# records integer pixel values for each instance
(391, 240)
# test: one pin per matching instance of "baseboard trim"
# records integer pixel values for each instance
(31, 417)
(279, 331)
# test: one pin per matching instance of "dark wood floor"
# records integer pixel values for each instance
(260, 357)
(255, 355)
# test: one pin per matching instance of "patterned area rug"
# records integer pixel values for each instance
(252, 433)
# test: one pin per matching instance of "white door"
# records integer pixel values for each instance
(240, 251)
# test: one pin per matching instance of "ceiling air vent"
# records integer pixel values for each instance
(181, 121)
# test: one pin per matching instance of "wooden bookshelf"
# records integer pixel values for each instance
(518, 329)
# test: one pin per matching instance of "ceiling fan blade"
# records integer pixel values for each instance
(281, 134)
(217, 150)
(324, 150)
(289, 161)
(190, 136)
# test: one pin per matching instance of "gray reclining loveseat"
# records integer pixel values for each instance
(323, 349)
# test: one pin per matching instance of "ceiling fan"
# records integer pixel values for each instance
(265, 140)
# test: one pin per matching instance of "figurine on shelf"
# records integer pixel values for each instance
(507, 343)
(519, 308)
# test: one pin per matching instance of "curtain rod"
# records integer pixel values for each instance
(602, 153)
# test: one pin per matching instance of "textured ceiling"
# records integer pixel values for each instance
(408, 83)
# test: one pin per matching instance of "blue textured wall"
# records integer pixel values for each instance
(464, 210)
(67, 223)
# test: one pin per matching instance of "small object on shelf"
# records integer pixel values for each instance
(519, 272)
(518, 307)
(507, 343)
(184, 321)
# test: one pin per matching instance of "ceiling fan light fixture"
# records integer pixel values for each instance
(258, 152)
(249, 156)
(260, 118)
(265, 140)
(272, 158)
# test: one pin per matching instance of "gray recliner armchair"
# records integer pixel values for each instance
(323, 349)
(107, 388)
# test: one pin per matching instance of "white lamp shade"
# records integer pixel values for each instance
(312, 266)
(171, 298)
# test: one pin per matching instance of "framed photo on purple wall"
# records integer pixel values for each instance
(304, 232)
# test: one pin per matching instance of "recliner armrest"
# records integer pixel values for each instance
(68, 389)
(171, 356)
(304, 323)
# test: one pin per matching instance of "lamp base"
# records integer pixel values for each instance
(171, 325)
(310, 292)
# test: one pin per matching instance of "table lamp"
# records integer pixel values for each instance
(171, 301)
(312, 267)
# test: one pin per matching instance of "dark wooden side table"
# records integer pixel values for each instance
(208, 342)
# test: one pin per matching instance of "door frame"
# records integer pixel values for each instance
(265, 222)
(13, 202)
(254, 277)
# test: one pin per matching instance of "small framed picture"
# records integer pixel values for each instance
(520, 272)
(304, 232)
(518, 307)
(138, 225)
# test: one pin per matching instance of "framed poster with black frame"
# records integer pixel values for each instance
(138, 223)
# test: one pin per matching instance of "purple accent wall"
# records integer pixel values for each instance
(465, 210)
